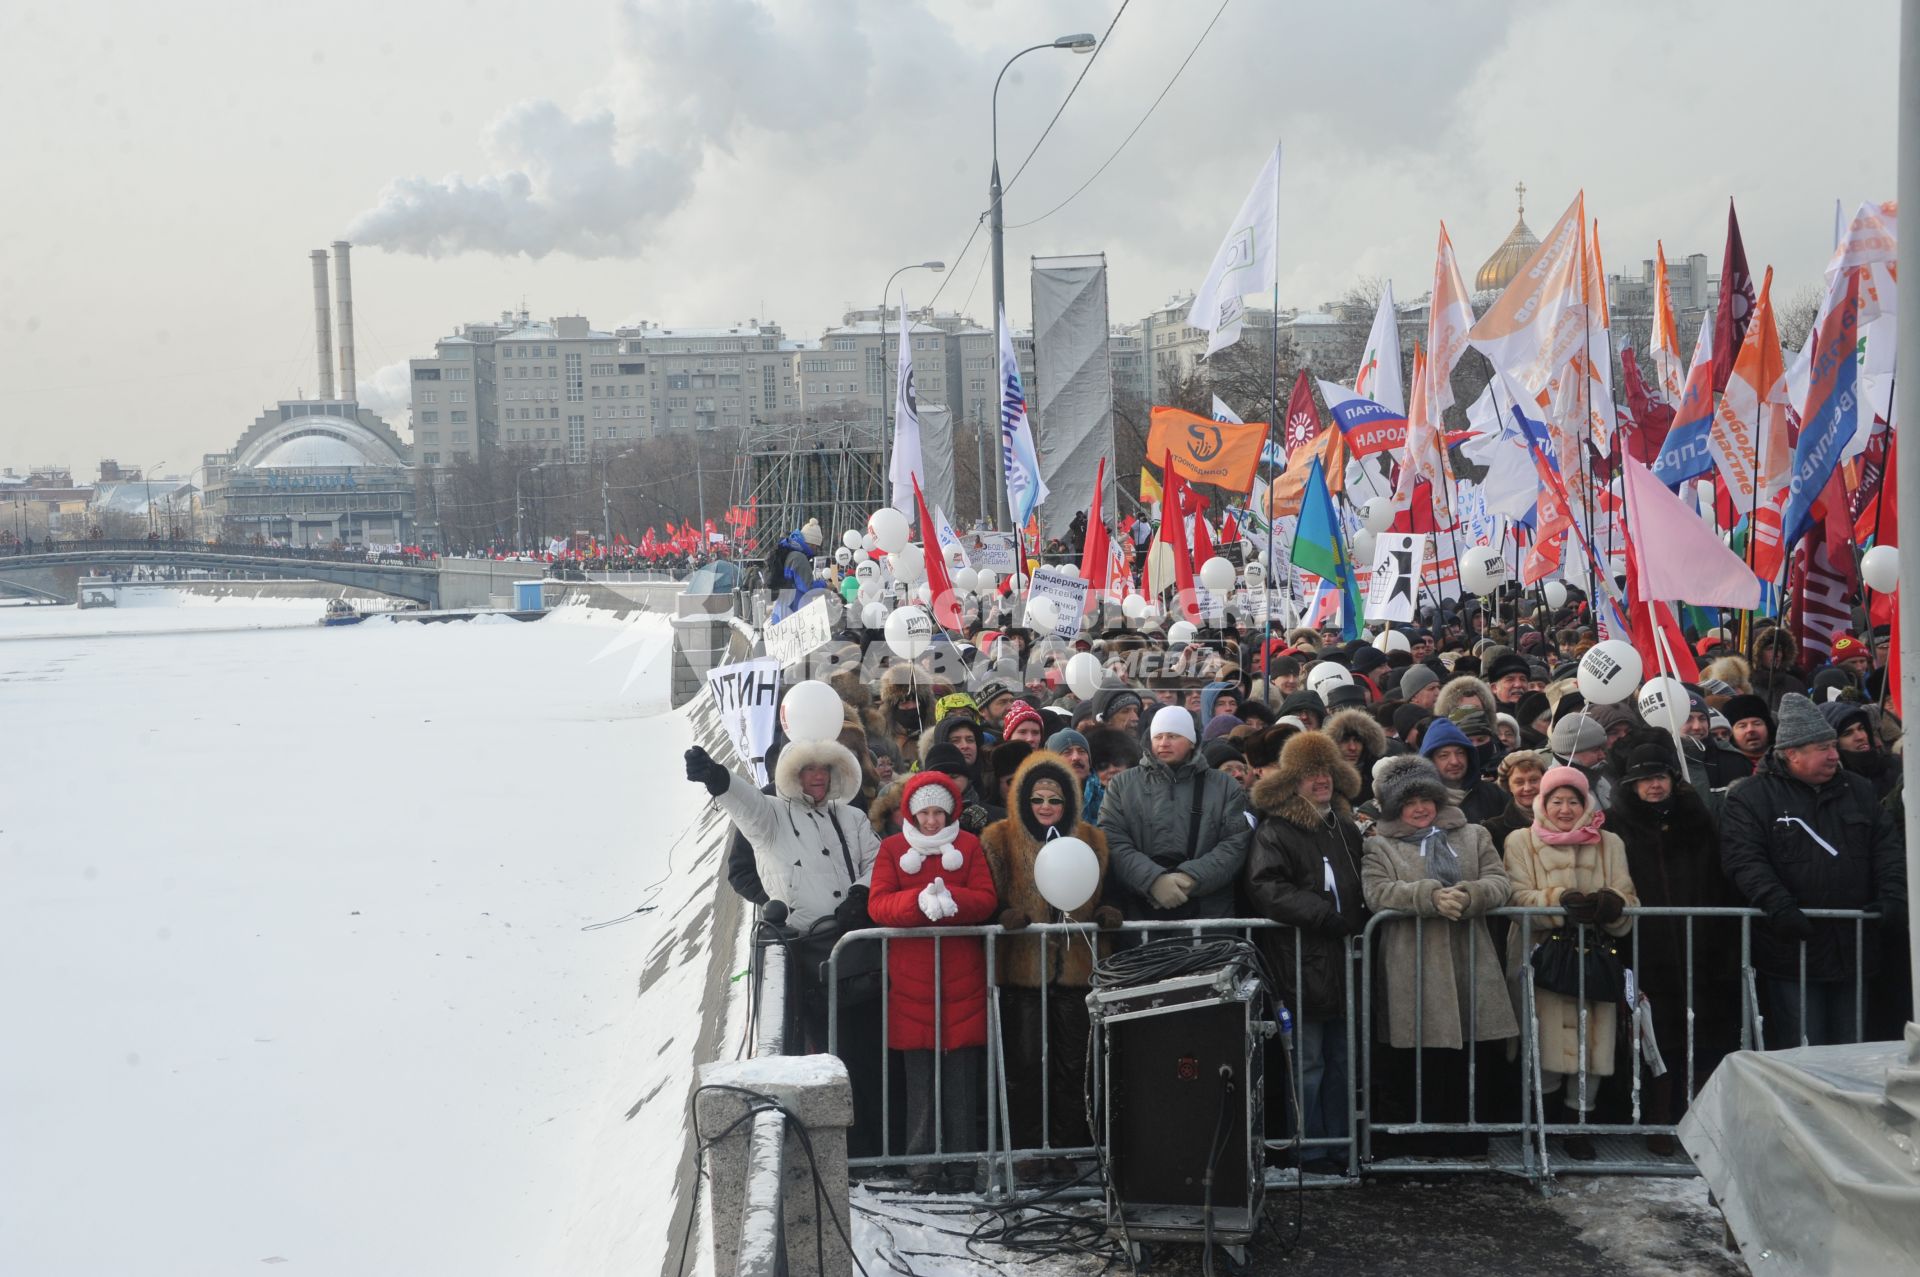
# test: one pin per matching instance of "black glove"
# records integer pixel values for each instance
(702, 770)
(1106, 917)
(1609, 907)
(1340, 925)
(1792, 924)
(851, 913)
(1580, 907)
(1891, 914)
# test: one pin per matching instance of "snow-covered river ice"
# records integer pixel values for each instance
(290, 928)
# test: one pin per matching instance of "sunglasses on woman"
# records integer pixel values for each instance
(1046, 802)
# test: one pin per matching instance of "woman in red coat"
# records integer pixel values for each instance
(931, 874)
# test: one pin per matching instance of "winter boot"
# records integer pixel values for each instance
(1579, 1147)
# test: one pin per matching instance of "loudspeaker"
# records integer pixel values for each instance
(1183, 1069)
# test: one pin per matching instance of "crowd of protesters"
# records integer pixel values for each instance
(1462, 773)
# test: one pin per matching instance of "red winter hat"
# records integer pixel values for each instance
(1018, 713)
(930, 789)
(1848, 648)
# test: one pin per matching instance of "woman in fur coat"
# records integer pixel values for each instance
(1566, 861)
(1044, 803)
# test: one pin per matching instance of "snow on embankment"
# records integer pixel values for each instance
(293, 920)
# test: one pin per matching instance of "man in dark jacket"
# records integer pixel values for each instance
(790, 569)
(1304, 871)
(1801, 834)
(1458, 762)
(1176, 829)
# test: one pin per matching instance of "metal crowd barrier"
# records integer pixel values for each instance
(1517, 1144)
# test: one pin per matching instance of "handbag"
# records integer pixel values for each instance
(859, 965)
(1559, 960)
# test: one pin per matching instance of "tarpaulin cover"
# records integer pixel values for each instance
(1814, 1156)
(1071, 400)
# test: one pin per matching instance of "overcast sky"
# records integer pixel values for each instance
(168, 167)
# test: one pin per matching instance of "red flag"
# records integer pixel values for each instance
(1173, 531)
(1651, 419)
(1229, 529)
(1737, 300)
(946, 608)
(1303, 419)
(1202, 534)
(1093, 555)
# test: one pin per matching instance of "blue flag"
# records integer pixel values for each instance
(1318, 548)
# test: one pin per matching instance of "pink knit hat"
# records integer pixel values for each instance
(1557, 777)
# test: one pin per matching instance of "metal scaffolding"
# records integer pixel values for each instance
(826, 470)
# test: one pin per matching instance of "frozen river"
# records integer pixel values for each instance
(290, 925)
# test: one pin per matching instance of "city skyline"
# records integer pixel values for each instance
(157, 299)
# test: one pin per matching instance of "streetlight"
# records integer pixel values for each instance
(1083, 42)
(519, 509)
(885, 293)
(149, 478)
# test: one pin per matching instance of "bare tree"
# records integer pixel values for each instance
(1795, 319)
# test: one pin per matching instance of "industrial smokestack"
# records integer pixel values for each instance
(322, 322)
(343, 285)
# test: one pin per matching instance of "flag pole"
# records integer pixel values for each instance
(1273, 424)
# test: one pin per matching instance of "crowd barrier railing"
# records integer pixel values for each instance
(1515, 1124)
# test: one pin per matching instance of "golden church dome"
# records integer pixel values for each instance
(1512, 254)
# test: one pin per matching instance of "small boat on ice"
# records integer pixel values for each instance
(341, 612)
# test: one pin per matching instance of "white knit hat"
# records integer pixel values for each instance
(930, 796)
(1174, 718)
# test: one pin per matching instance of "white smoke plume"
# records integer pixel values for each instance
(691, 77)
(388, 392)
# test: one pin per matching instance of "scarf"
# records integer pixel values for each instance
(920, 846)
(1442, 860)
(1587, 833)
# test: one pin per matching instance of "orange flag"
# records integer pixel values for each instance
(1223, 453)
(1288, 490)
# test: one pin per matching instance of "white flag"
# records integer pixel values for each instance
(1379, 375)
(1244, 263)
(1025, 488)
(906, 465)
(1223, 413)
(948, 538)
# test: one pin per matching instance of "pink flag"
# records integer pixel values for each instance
(1682, 559)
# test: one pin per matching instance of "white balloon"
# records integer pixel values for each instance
(868, 543)
(1181, 633)
(1069, 569)
(955, 556)
(889, 528)
(867, 570)
(923, 592)
(870, 592)
(909, 632)
(1042, 613)
(965, 580)
(986, 581)
(1483, 569)
(873, 613)
(1556, 594)
(843, 556)
(1134, 607)
(1326, 676)
(850, 539)
(1609, 672)
(1217, 575)
(1067, 872)
(1083, 674)
(910, 564)
(812, 711)
(1880, 569)
(1378, 514)
(1664, 704)
(1392, 641)
(1363, 547)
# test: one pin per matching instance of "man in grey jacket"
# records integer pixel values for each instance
(1177, 831)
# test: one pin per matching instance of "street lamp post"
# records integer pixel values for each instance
(149, 480)
(1083, 42)
(886, 421)
(519, 510)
